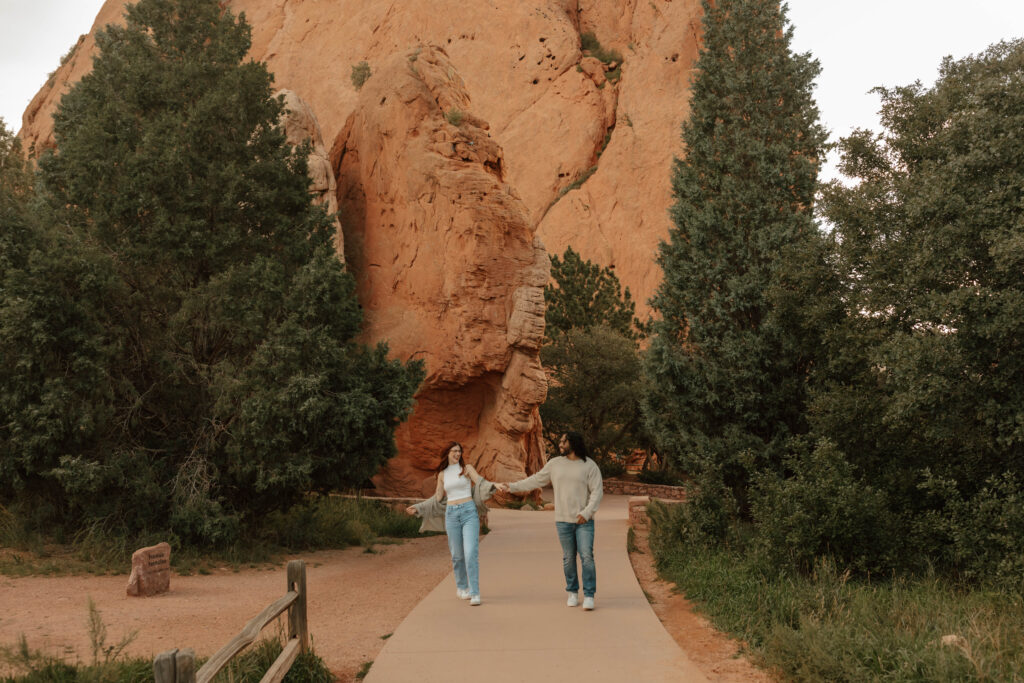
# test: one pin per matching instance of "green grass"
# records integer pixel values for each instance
(319, 523)
(828, 626)
(32, 666)
(250, 665)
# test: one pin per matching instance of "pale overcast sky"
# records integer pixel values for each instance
(860, 45)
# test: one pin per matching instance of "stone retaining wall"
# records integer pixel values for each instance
(638, 510)
(636, 488)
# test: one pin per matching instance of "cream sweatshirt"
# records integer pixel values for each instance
(577, 483)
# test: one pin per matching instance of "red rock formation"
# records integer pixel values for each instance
(300, 125)
(551, 114)
(620, 213)
(447, 265)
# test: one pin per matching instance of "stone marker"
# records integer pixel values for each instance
(151, 570)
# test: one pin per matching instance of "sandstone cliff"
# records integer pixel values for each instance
(469, 142)
(448, 266)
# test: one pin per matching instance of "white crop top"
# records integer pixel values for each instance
(456, 486)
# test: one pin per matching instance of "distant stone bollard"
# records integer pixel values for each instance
(151, 570)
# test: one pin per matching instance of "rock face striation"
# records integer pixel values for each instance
(483, 135)
(449, 269)
(300, 125)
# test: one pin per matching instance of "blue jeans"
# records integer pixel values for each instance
(463, 526)
(578, 539)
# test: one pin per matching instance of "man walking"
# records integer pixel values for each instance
(578, 487)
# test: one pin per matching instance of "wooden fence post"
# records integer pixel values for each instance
(297, 625)
(175, 666)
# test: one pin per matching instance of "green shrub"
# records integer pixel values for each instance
(611, 467)
(336, 522)
(707, 518)
(665, 477)
(66, 57)
(590, 43)
(821, 510)
(360, 72)
(454, 116)
(319, 522)
(981, 536)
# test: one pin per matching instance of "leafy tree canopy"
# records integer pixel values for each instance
(186, 358)
(930, 241)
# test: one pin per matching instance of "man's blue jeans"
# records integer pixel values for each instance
(463, 526)
(578, 539)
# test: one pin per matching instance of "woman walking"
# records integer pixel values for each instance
(459, 496)
(578, 487)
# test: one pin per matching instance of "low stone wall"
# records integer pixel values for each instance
(638, 510)
(622, 487)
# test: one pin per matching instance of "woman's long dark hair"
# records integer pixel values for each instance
(576, 444)
(443, 465)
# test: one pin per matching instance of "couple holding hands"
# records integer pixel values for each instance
(577, 484)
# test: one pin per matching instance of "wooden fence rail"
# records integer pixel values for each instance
(178, 666)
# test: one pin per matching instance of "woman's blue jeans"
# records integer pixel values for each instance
(578, 539)
(463, 526)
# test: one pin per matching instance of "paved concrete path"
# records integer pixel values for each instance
(523, 631)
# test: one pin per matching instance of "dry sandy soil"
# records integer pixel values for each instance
(359, 599)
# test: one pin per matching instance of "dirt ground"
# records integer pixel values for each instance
(359, 599)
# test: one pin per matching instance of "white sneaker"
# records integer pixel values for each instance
(475, 600)
(462, 594)
(588, 602)
(573, 600)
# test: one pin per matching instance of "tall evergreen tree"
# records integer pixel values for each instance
(744, 265)
(227, 324)
(585, 294)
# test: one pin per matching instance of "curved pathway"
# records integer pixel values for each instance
(523, 630)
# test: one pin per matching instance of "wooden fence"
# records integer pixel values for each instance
(179, 666)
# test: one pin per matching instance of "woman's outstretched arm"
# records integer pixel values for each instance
(438, 495)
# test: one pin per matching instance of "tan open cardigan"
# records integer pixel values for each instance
(431, 510)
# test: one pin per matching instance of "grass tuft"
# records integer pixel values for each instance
(360, 74)
(454, 117)
(590, 43)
